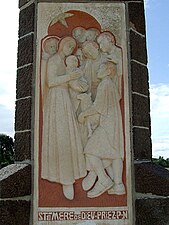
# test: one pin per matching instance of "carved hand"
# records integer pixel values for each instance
(81, 118)
(74, 75)
(83, 85)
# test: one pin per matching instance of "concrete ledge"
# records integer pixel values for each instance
(15, 181)
(151, 178)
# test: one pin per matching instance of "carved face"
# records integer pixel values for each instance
(103, 71)
(106, 69)
(90, 51)
(104, 43)
(68, 48)
(90, 35)
(79, 34)
(72, 61)
(80, 56)
(51, 46)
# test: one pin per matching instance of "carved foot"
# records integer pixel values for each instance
(89, 180)
(117, 189)
(100, 187)
(68, 191)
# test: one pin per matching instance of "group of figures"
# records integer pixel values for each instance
(82, 123)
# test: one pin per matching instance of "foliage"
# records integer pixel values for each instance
(162, 162)
(6, 150)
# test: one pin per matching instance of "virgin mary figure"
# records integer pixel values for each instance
(62, 152)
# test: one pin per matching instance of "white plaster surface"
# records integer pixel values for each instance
(72, 144)
(110, 16)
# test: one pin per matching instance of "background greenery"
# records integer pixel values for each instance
(7, 153)
(6, 150)
(162, 162)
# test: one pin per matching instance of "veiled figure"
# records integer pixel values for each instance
(62, 153)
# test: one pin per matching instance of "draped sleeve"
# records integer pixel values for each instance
(56, 72)
(107, 97)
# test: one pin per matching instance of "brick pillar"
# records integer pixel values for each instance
(151, 181)
(15, 180)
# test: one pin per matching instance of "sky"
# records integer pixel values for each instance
(157, 28)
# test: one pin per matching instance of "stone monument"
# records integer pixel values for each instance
(82, 131)
(83, 138)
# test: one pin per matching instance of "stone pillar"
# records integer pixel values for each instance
(149, 182)
(15, 180)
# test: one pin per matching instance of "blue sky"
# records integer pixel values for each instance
(8, 58)
(157, 19)
(157, 25)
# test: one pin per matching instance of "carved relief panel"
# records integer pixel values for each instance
(82, 149)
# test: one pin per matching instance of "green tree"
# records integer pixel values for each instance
(162, 162)
(6, 150)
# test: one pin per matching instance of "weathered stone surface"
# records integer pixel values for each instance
(152, 211)
(116, 1)
(24, 82)
(138, 47)
(92, 1)
(151, 178)
(14, 212)
(139, 78)
(107, 16)
(141, 110)
(23, 146)
(26, 20)
(23, 114)
(23, 2)
(142, 143)
(15, 180)
(25, 50)
(136, 16)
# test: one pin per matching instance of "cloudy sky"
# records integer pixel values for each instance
(8, 40)
(157, 19)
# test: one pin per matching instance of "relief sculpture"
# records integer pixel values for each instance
(82, 128)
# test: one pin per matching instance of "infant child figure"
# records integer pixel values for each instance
(79, 85)
(72, 63)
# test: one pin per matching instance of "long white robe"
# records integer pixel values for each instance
(62, 152)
